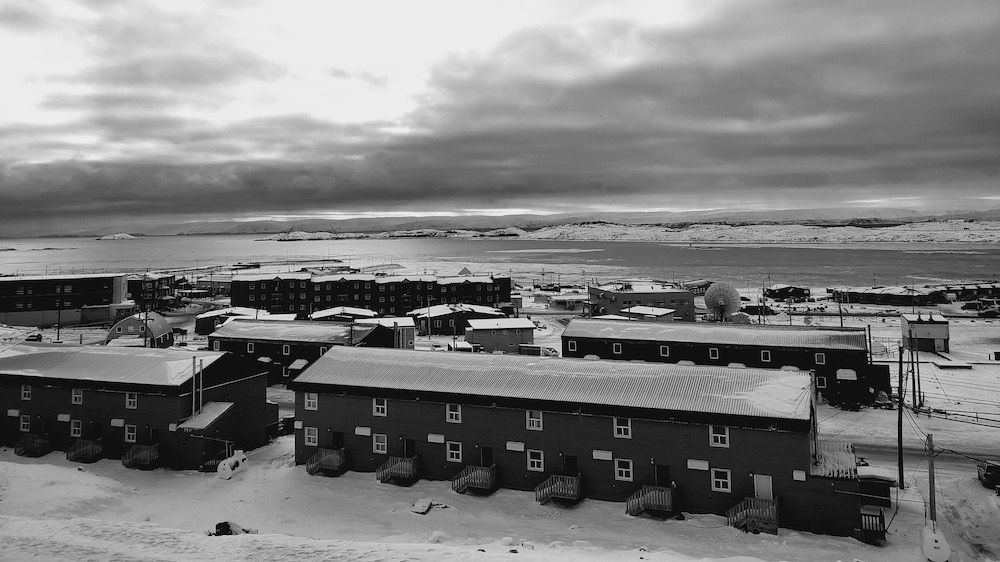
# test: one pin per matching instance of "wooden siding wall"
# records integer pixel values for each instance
(501, 339)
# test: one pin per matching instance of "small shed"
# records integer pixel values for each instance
(925, 332)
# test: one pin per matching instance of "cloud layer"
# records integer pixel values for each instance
(150, 108)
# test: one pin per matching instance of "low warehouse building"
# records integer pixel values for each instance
(500, 334)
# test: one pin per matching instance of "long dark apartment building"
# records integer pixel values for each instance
(44, 300)
(304, 292)
(838, 356)
(661, 438)
(137, 404)
(151, 291)
(611, 298)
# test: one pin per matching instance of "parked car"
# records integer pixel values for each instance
(34, 337)
(989, 474)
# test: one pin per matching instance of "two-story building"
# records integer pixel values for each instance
(450, 319)
(611, 298)
(838, 356)
(149, 407)
(501, 334)
(65, 299)
(665, 438)
(151, 291)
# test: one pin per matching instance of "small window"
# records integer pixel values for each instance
(25, 423)
(302, 296)
(623, 428)
(623, 469)
(720, 480)
(25, 392)
(454, 413)
(250, 347)
(664, 351)
(534, 420)
(616, 348)
(821, 359)
(380, 444)
(571, 345)
(312, 437)
(536, 460)
(322, 350)
(215, 345)
(719, 435)
(251, 298)
(312, 401)
(75, 428)
(437, 323)
(118, 329)
(454, 451)
(252, 286)
(130, 434)
(131, 400)
(380, 406)
(77, 396)
(286, 349)
(820, 381)
(765, 356)
(302, 285)
(713, 353)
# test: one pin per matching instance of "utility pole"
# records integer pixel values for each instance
(899, 423)
(930, 479)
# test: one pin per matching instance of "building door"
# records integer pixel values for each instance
(762, 487)
(662, 475)
(485, 456)
(570, 467)
(337, 439)
(939, 346)
(409, 447)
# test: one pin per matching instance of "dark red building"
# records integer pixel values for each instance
(136, 404)
(739, 442)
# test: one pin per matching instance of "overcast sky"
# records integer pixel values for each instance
(285, 108)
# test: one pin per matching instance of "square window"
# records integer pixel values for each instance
(664, 351)
(312, 401)
(77, 397)
(623, 469)
(252, 286)
(536, 460)
(454, 413)
(131, 400)
(571, 345)
(533, 420)
(820, 381)
(251, 298)
(713, 353)
(25, 392)
(765, 356)
(250, 347)
(302, 285)
(130, 434)
(454, 451)
(286, 349)
(719, 435)
(302, 296)
(380, 407)
(720, 480)
(25, 423)
(380, 444)
(821, 359)
(322, 350)
(616, 348)
(312, 437)
(623, 428)
(75, 428)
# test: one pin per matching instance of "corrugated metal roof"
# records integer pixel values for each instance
(722, 334)
(62, 277)
(134, 365)
(744, 392)
(449, 309)
(207, 416)
(287, 332)
(389, 322)
(502, 324)
(343, 311)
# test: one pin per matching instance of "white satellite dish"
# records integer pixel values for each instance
(723, 300)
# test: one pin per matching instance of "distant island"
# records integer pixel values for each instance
(118, 236)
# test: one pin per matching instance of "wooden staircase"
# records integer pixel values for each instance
(558, 486)
(32, 445)
(141, 456)
(659, 498)
(872, 529)
(402, 469)
(85, 450)
(754, 515)
(476, 477)
(329, 461)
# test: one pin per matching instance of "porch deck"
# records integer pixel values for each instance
(328, 461)
(476, 477)
(754, 515)
(85, 450)
(141, 456)
(33, 445)
(402, 469)
(658, 498)
(558, 486)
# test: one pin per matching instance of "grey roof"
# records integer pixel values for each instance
(133, 365)
(722, 334)
(207, 416)
(744, 392)
(287, 332)
(502, 324)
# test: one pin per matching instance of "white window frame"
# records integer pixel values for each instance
(820, 358)
(76, 396)
(25, 425)
(765, 355)
(286, 349)
(380, 444)
(453, 413)
(623, 470)
(380, 407)
(717, 439)
(215, 345)
(130, 433)
(250, 347)
(664, 351)
(312, 401)
(252, 286)
(75, 428)
(535, 464)
(25, 392)
(623, 428)
(713, 353)
(616, 348)
(722, 480)
(311, 436)
(131, 400)
(820, 381)
(322, 350)
(571, 345)
(453, 451)
(531, 422)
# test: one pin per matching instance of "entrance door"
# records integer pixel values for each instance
(570, 467)
(762, 487)
(409, 447)
(485, 456)
(662, 475)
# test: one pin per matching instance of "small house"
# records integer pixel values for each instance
(500, 334)
(924, 332)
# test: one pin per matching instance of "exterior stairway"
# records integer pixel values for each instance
(403, 469)
(330, 461)
(477, 477)
(85, 450)
(754, 515)
(558, 486)
(660, 498)
(32, 445)
(141, 456)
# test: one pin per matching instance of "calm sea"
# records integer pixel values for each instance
(526, 260)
